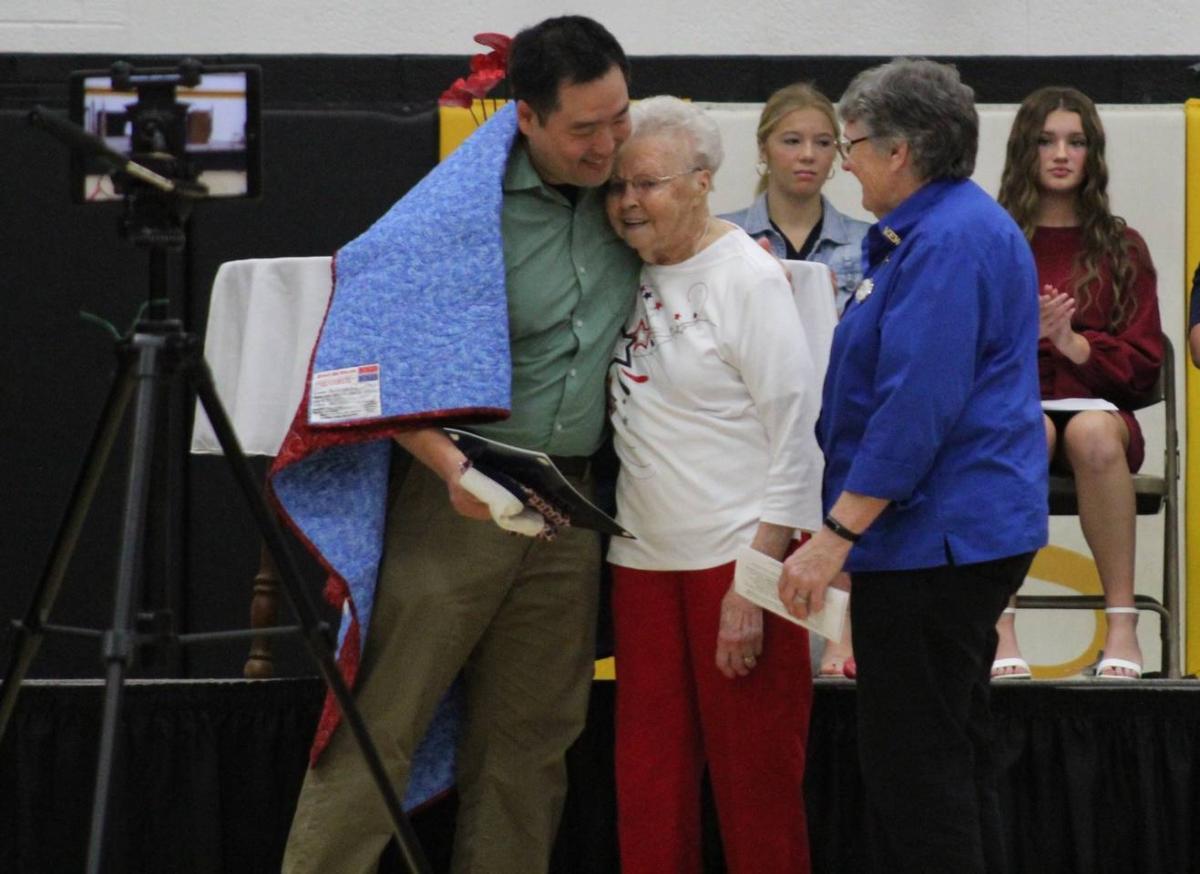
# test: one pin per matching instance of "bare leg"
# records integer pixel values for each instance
(837, 653)
(1006, 628)
(1094, 445)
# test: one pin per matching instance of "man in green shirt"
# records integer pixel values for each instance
(457, 594)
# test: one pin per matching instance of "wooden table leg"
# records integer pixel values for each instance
(264, 612)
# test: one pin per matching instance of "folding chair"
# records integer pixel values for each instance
(1153, 494)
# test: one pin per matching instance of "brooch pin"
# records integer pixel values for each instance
(864, 289)
(892, 236)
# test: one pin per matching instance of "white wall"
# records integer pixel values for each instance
(707, 27)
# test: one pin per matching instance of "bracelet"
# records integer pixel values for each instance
(841, 530)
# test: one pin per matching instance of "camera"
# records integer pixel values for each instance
(193, 124)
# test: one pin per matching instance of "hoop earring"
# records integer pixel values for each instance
(761, 168)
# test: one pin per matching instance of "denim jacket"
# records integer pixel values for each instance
(839, 246)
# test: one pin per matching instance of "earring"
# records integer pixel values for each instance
(761, 167)
(832, 170)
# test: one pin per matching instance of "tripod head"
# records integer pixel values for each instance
(161, 139)
(155, 216)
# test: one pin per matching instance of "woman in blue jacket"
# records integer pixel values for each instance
(935, 472)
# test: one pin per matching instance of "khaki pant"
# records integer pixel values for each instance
(517, 617)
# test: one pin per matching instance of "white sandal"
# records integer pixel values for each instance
(1022, 671)
(1106, 664)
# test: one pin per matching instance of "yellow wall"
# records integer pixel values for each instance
(455, 124)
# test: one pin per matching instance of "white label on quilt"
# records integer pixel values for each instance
(344, 395)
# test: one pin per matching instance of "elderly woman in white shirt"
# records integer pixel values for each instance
(714, 402)
(797, 147)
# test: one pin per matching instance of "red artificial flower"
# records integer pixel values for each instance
(487, 71)
(480, 83)
(457, 95)
(490, 62)
(497, 42)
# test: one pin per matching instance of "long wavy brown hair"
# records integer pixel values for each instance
(1104, 239)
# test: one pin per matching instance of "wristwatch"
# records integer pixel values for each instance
(841, 530)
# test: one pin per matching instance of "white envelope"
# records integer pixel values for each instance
(756, 578)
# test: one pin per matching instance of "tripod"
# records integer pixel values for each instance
(154, 351)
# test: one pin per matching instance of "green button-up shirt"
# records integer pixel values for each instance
(571, 285)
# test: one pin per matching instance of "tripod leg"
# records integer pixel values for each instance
(314, 630)
(28, 636)
(121, 639)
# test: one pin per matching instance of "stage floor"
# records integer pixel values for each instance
(1098, 776)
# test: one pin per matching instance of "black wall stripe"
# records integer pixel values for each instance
(405, 83)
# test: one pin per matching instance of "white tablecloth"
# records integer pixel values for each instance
(264, 318)
(812, 289)
(262, 323)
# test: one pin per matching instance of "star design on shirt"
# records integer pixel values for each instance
(637, 337)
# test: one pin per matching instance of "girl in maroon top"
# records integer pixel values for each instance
(1100, 338)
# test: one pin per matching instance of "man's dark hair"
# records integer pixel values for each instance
(568, 50)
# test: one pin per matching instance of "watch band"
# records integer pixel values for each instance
(841, 530)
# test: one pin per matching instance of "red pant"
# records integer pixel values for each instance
(676, 713)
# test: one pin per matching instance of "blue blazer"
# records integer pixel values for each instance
(931, 399)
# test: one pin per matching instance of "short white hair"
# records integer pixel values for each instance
(674, 118)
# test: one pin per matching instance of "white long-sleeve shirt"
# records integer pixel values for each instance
(714, 403)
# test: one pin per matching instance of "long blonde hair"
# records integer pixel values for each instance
(1104, 238)
(788, 99)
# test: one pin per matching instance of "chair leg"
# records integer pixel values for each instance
(1170, 596)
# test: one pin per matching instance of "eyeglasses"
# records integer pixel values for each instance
(844, 146)
(642, 185)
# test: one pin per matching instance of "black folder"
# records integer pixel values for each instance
(514, 467)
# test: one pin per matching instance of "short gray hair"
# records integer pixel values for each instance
(923, 103)
(672, 117)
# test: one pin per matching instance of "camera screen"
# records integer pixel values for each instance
(212, 126)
